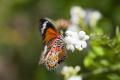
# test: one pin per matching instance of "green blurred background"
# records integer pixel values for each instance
(20, 40)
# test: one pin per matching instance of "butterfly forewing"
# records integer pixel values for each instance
(47, 30)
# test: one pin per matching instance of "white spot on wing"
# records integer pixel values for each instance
(44, 26)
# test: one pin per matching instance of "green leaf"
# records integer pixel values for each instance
(88, 61)
(114, 77)
(99, 50)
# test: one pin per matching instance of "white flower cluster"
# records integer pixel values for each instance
(74, 37)
(92, 17)
(76, 40)
(77, 13)
(89, 16)
(70, 73)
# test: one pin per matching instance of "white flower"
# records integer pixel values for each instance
(77, 68)
(70, 47)
(95, 16)
(76, 14)
(75, 40)
(83, 44)
(89, 17)
(83, 36)
(75, 78)
(67, 71)
(77, 11)
(71, 73)
(92, 17)
(78, 45)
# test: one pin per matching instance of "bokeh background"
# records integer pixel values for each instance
(20, 40)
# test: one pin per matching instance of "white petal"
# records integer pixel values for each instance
(69, 40)
(78, 46)
(70, 47)
(77, 68)
(86, 37)
(83, 44)
(96, 15)
(65, 69)
(81, 33)
(77, 10)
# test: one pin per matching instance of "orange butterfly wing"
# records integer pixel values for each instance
(49, 35)
(47, 30)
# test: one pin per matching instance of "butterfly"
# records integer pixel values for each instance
(54, 51)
